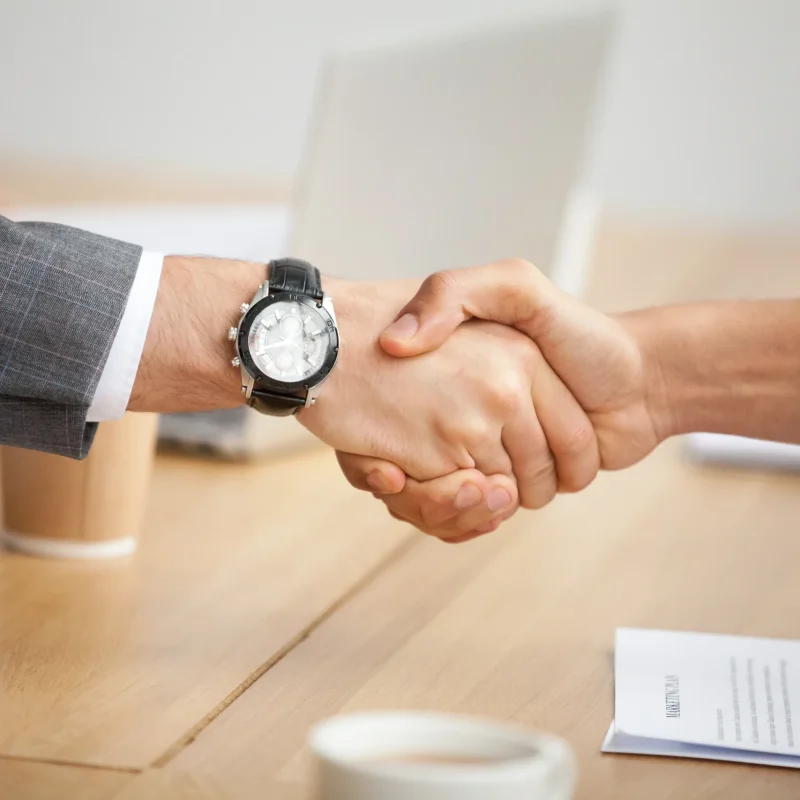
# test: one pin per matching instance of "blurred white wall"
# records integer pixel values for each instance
(702, 120)
(701, 123)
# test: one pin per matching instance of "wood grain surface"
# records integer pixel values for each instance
(520, 626)
(35, 780)
(116, 663)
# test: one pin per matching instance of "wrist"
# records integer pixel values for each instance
(186, 361)
(729, 367)
(646, 330)
(352, 307)
(363, 309)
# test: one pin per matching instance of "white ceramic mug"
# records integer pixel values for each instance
(426, 756)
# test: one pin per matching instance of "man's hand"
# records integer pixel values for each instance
(465, 406)
(601, 361)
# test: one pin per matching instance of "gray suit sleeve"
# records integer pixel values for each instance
(62, 295)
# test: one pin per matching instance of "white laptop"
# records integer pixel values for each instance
(456, 151)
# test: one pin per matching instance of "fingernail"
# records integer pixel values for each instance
(403, 328)
(498, 499)
(376, 482)
(468, 495)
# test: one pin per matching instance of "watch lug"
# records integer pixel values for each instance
(314, 391)
(327, 304)
(312, 394)
(247, 383)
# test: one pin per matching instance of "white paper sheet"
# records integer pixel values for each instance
(699, 695)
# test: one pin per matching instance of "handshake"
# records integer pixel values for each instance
(491, 388)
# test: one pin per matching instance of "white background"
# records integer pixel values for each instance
(701, 124)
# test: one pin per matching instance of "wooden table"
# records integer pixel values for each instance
(196, 669)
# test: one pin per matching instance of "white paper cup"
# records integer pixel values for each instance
(426, 756)
(92, 509)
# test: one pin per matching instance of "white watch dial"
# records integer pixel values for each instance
(288, 341)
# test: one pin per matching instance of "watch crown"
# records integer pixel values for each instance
(244, 307)
(235, 361)
(232, 332)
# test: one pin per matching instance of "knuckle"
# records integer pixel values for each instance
(540, 485)
(531, 292)
(519, 265)
(507, 387)
(509, 396)
(542, 472)
(578, 440)
(523, 272)
(440, 284)
(475, 432)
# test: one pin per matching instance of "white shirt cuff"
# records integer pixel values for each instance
(116, 382)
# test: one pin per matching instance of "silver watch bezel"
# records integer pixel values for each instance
(313, 385)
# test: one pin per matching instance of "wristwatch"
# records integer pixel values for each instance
(287, 341)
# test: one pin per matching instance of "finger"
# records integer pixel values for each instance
(454, 504)
(532, 459)
(428, 318)
(486, 449)
(500, 502)
(371, 474)
(481, 530)
(511, 292)
(569, 432)
(432, 504)
(467, 537)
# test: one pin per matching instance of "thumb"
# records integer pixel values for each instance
(429, 318)
(511, 292)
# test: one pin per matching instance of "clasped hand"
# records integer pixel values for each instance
(454, 422)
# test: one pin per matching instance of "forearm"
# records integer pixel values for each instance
(729, 367)
(186, 362)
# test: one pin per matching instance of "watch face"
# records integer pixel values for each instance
(289, 341)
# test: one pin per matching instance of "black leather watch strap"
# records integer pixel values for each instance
(276, 405)
(298, 277)
(294, 275)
